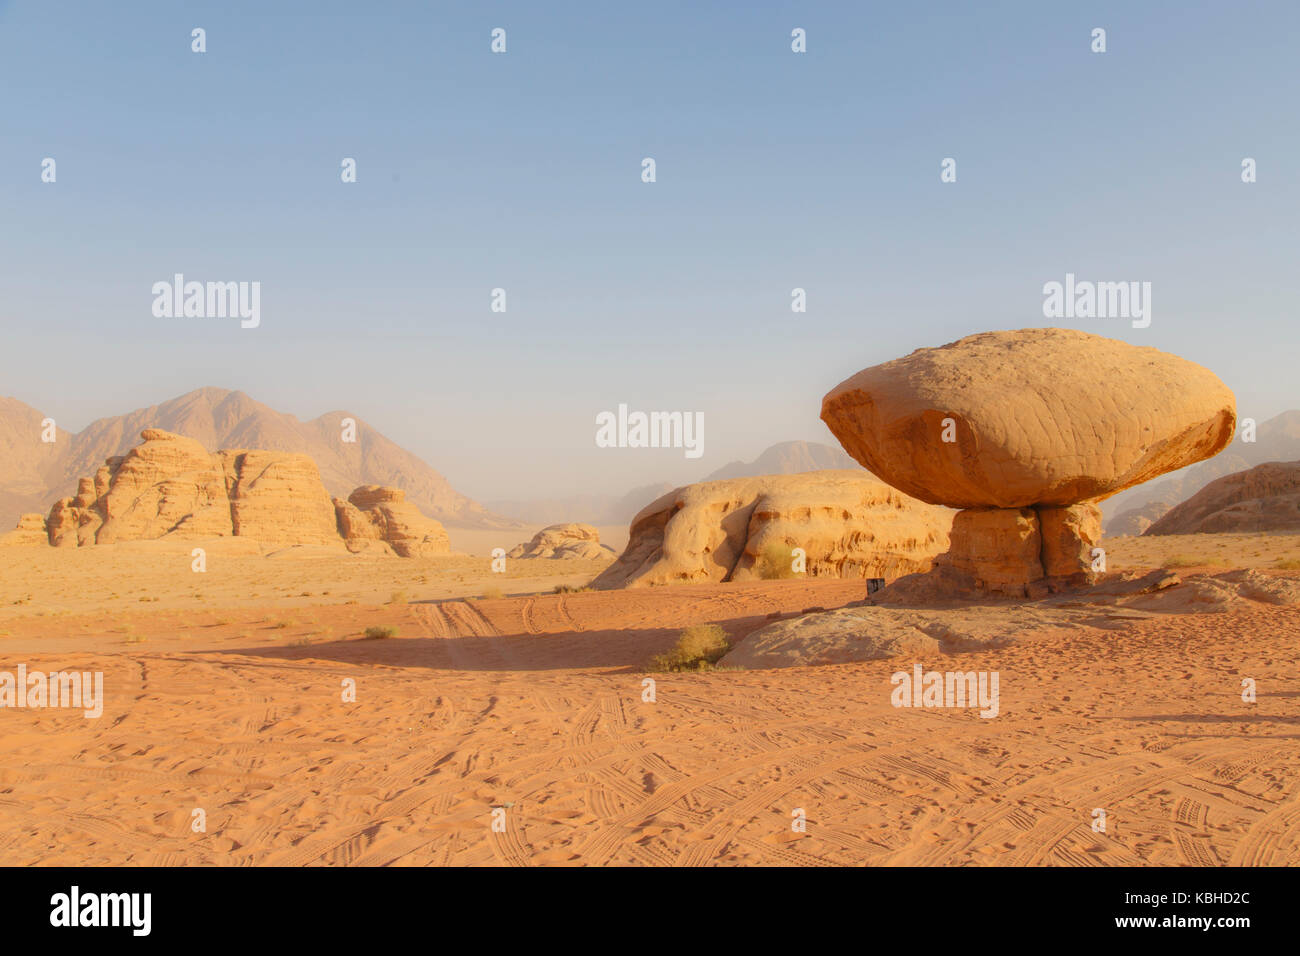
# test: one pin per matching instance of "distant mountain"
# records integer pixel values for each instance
(1277, 439)
(788, 458)
(25, 461)
(33, 474)
(1261, 499)
(589, 509)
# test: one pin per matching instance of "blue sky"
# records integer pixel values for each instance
(522, 171)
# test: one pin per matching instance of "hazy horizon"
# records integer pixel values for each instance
(522, 171)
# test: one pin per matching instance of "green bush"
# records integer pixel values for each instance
(776, 562)
(698, 648)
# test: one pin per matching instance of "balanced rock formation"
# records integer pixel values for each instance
(172, 487)
(849, 524)
(571, 540)
(1263, 498)
(1026, 431)
(376, 516)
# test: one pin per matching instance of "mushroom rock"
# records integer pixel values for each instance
(1026, 431)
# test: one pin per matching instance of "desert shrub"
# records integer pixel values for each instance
(1287, 564)
(698, 648)
(775, 562)
(492, 594)
(398, 597)
(1181, 561)
(571, 588)
(375, 632)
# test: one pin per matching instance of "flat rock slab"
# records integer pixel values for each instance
(873, 632)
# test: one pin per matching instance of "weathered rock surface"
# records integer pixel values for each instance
(1264, 498)
(568, 540)
(924, 634)
(172, 487)
(1026, 431)
(998, 549)
(1040, 417)
(377, 514)
(278, 498)
(169, 484)
(871, 633)
(1069, 535)
(849, 525)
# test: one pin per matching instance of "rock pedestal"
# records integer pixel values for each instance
(1021, 552)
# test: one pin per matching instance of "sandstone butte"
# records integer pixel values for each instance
(847, 522)
(567, 540)
(1260, 499)
(1026, 431)
(171, 486)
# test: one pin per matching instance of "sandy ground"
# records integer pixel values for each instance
(118, 578)
(1277, 550)
(533, 706)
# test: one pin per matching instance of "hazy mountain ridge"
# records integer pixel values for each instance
(34, 474)
(1277, 439)
(788, 458)
(783, 458)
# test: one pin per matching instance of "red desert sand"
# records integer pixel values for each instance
(534, 705)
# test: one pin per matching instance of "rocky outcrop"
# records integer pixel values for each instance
(1135, 521)
(34, 472)
(1026, 431)
(278, 498)
(172, 487)
(1264, 498)
(30, 530)
(571, 540)
(167, 485)
(375, 515)
(871, 632)
(847, 523)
